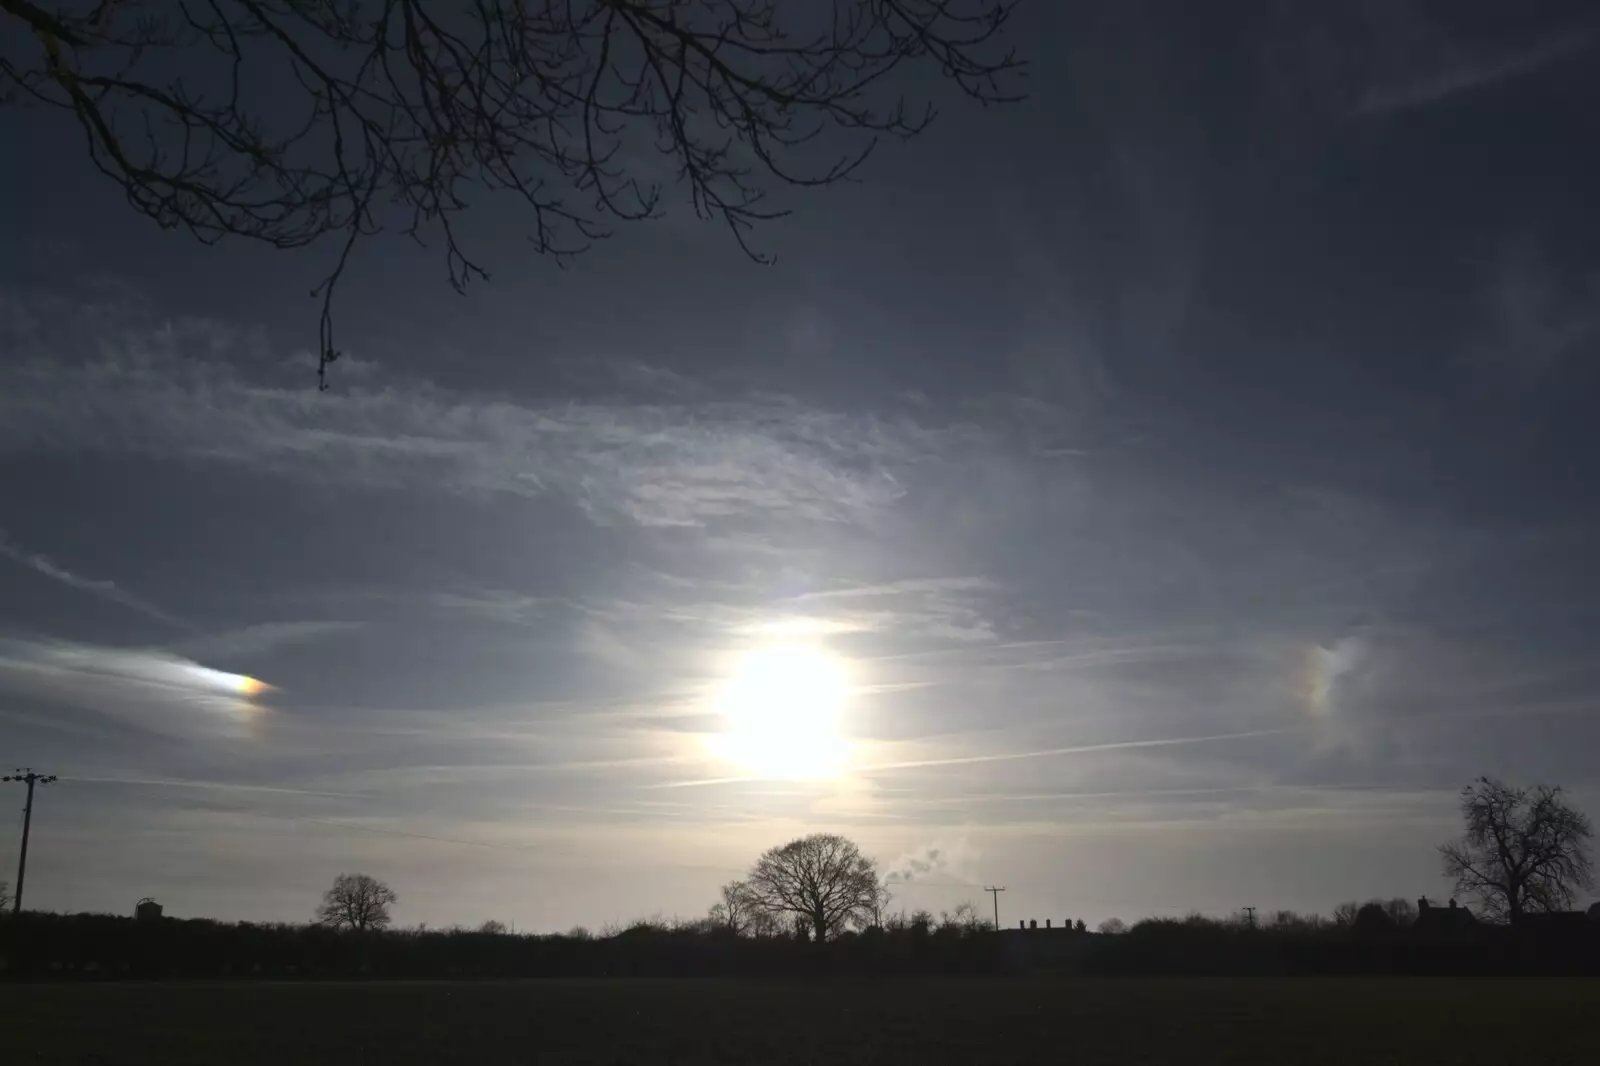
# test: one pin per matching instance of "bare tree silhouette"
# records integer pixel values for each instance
(284, 121)
(822, 881)
(1402, 910)
(357, 901)
(964, 918)
(736, 909)
(1525, 850)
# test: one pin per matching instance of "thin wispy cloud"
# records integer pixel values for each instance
(1538, 319)
(938, 612)
(104, 588)
(261, 638)
(661, 463)
(911, 586)
(1324, 65)
(147, 689)
(206, 786)
(499, 605)
(1454, 74)
(1064, 653)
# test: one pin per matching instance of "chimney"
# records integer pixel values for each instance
(1047, 923)
(1422, 903)
(1452, 904)
(1033, 923)
(1021, 924)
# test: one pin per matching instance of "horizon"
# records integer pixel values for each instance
(1163, 494)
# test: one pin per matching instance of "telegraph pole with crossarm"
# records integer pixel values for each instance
(25, 775)
(995, 892)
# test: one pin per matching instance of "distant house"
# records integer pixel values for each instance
(1049, 946)
(1451, 919)
(1577, 922)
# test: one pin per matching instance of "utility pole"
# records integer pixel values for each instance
(995, 892)
(25, 775)
(1250, 915)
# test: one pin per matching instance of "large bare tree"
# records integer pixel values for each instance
(285, 121)
(1525, 850)
(822, 880)
(358, 902)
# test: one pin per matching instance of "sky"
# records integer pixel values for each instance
(1162, 494)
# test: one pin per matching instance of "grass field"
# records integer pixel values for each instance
(926, 1022)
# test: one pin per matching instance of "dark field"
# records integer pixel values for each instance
(933, 1021)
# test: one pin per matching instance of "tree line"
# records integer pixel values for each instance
(818, 904)
(1523, 852)
(42, 945)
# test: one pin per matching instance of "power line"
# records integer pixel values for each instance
(995, 893)
(26, 776)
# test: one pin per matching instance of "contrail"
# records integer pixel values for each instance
(1088, 657)
(220, 786)
(1082, 749)
(1045, 753)
(708, 781)
(105, 589)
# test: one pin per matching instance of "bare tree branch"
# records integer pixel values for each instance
(288, 121)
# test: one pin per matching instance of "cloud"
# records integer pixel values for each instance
(1332, 671)
(209, 786)
(1452, 73)
(1081, 749)
(258, 639)
(135, 387)
(103, 588)
(1326, 667)
(499, 605)
(1328, 63)
(148, 689)
(928, 613)
(948, 610)
(936, 585)
(1537, 319)
(1416, 696)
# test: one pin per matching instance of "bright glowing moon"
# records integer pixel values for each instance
(783, 707)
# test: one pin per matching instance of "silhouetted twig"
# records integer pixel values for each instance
(284, 121)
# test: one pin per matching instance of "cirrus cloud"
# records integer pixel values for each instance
(168, 390)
